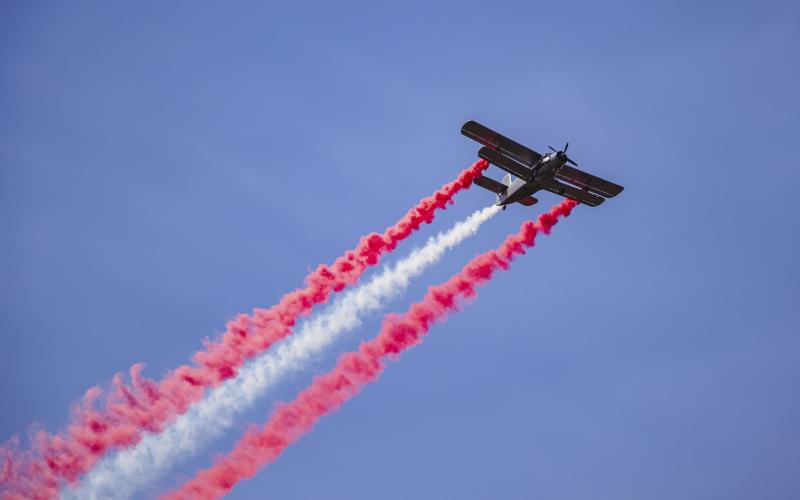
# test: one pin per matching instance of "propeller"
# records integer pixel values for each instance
(563, 154)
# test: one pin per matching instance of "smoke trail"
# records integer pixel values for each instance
(130, 470)
(145, 405)
(261, 446)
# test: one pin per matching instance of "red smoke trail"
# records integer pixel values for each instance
(261, 446)
(146, 405)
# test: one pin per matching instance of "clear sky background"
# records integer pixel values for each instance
(167, 165)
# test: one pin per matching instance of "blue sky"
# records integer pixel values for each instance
(163, 167)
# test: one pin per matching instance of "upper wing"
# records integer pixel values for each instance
(500, 143)
(588, 181)
(506, 163)
(573, 193)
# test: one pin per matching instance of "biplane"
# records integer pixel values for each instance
(529, 171)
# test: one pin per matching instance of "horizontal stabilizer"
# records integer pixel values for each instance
(530, 200)
(490, 184)
(506, 163)
(498, 142)
(593, 184)
(574, 193)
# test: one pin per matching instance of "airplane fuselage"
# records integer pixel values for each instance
(521, 188)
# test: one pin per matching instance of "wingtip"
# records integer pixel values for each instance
(467, 125)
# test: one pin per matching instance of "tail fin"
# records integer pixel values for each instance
(507, 179)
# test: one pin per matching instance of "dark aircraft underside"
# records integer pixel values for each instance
(535, 172)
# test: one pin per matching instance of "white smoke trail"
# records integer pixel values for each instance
(128, 471)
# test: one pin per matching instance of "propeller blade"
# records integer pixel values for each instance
(566, 147)
(554, 149)
(570, 161)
